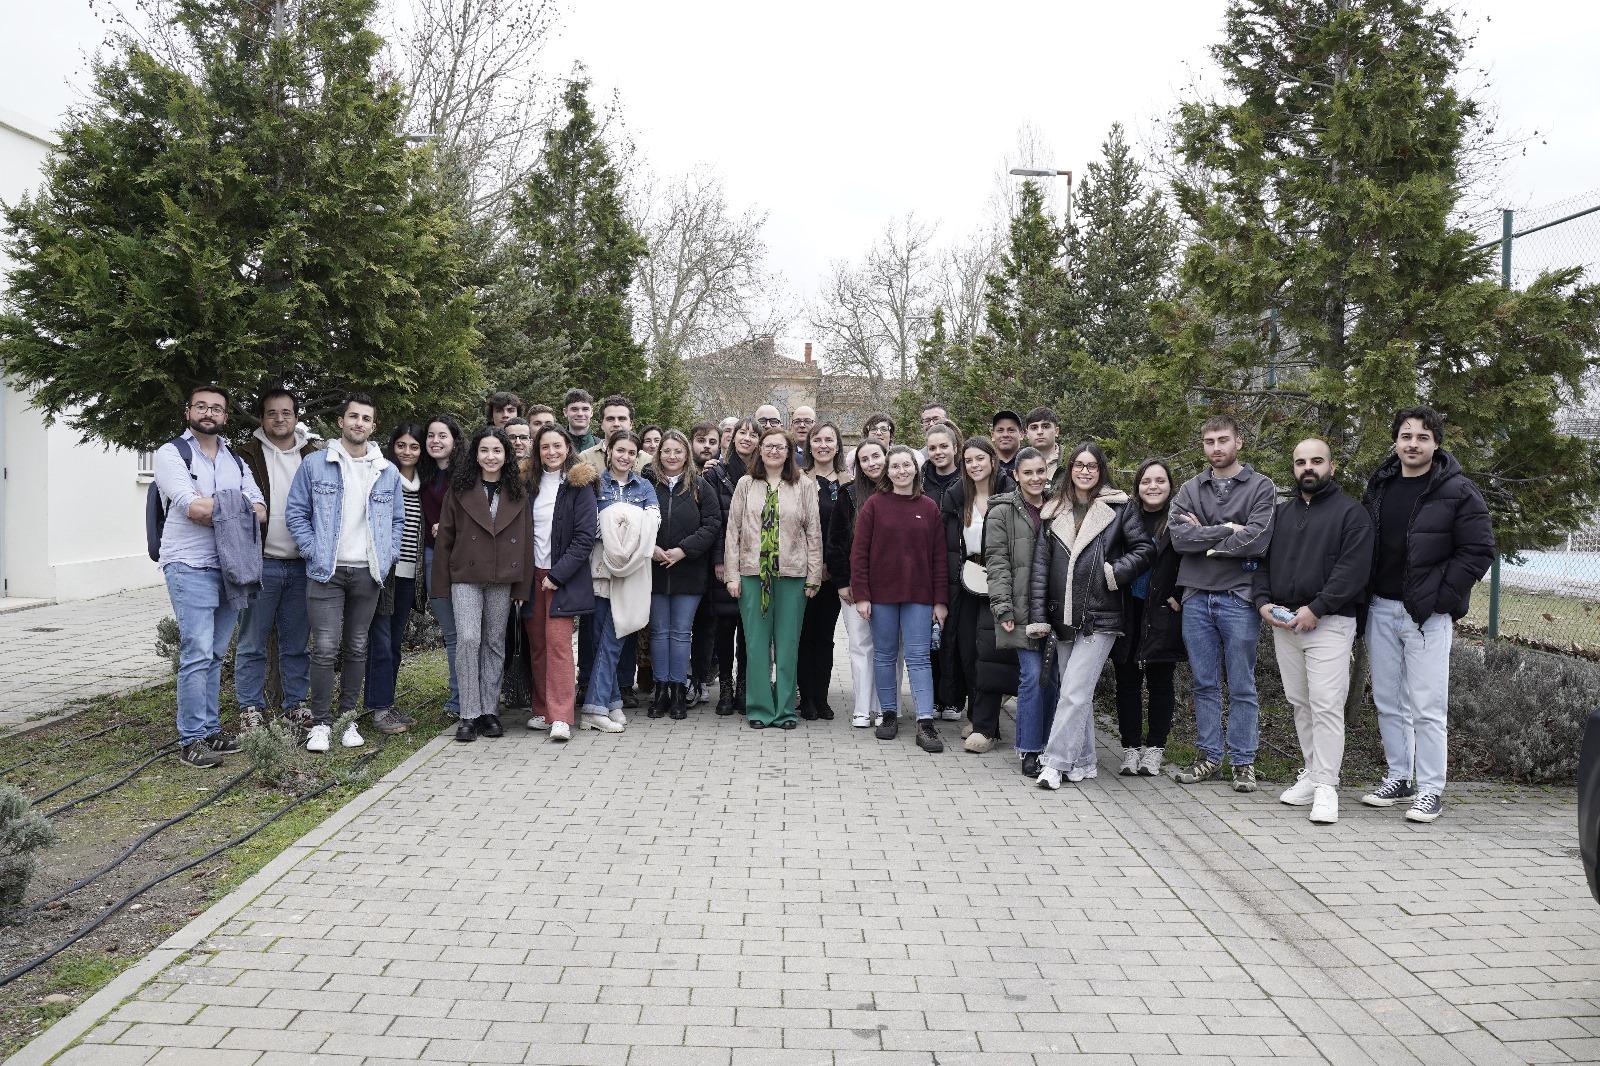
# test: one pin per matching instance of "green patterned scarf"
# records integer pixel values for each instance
(769, 544)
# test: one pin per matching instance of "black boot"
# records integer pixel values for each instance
(658, 701)
(725, 696)
(680, 701)
(808, 710)
(1030, 764)
(738, 697)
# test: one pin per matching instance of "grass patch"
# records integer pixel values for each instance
(1567, 624)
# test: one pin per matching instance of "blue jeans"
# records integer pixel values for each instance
(446, 614)
(383, 646)
(205, 628)
(281, 606)
(1221, 631)
(1036, 701)
(671, 628)
(907, 625)
(1411, 687)
(603, 694)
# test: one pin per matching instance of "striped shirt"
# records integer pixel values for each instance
(406, 565)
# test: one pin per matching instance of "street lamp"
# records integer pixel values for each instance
(1029, 172)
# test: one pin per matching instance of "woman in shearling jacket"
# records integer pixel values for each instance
(483, 560)
(772, 563)
(1086, 557)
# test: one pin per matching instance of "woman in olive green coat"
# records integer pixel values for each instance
(1009, 534)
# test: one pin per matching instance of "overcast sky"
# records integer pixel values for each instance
(838, 115)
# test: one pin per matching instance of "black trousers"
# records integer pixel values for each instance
(816, 644)
(702, 641)
(983, 708)
(1133, 678)
(730, 634)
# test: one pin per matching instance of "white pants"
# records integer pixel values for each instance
(858, 631)
(1078, 665)
(1411, 686)
(1316, 678)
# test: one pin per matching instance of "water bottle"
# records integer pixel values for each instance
(1282, 614)
(938, 631)
(1250, 566)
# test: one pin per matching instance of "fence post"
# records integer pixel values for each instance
(1506, 220)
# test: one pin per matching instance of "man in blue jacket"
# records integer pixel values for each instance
(347, 517)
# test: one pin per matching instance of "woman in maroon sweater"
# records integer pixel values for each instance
(898, 578)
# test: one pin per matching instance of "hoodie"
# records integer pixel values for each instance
(355, 547)
(280, 465)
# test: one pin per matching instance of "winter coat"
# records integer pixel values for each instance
(723, 479)
(841, 533)
(1079, 574)
(1449, 540)
(691, 521)
(799, 531)
(473, 547)
(1159, 638)
(997, 665)
(573, 530)
(1009, 542)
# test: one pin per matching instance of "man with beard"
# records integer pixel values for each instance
(190, 471)
(348, 518)
(1315, 572)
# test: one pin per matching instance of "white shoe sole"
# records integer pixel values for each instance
(608, 727)
(1324, 819)
(1296, 801)
(861, 723)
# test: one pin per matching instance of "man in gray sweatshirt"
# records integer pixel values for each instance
(1221, 525)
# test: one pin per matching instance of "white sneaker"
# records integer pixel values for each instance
(1150, 762)
(317, 739)
(966, 730)
(600, 722)
(861, 721)
(978, 743)
(1049, 777)
(1130, 761)
(1325, 808)
(951, 714)
(560, 731)
(877, 719)
(616, 715)
(352, 737)
(1082, 773)
(1301, 793)
(538, 721)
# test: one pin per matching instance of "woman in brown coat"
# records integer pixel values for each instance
(483, 561)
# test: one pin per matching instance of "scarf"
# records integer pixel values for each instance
(769, 544)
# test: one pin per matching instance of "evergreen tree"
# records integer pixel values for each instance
(252, 217)
(570, 269)
(1326, 285)
(1025, 304)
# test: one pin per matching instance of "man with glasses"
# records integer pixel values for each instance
(767, 417)
(191, 471)
(520, 433)
(801, 423)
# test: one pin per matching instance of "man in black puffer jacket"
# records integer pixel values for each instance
(1433, 542)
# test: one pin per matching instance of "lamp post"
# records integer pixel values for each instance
(1029, 172)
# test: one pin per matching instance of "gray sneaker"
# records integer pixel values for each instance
(1244, 777)
(1202, 769)
(387, 723)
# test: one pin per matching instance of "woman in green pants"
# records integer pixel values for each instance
(773, 561)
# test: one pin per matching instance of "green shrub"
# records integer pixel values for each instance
(23, 831)
(1516, 713)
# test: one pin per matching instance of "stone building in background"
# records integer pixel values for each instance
(741, 377)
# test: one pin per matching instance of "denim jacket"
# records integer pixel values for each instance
(636, 490)
(316, 505)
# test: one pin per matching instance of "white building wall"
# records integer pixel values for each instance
(71, 514)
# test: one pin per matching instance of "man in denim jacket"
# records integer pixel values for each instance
(346, 516)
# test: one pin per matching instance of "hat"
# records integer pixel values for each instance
(1005, 413)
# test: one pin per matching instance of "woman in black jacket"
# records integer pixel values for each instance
(1151, 645)
(724, 478)
(691, 525)
(980, 672)
(1092, 547)
(823, 462)
(870, 459)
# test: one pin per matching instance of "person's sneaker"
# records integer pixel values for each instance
(251, 718)
(1301, 793)
(1049, 777)
(539, 721)
(1244, 777)
(1130, 761)
(888, 726)
(977, 743)
(1325, 807)
(928, 737)
(950, 714)
(402, 717)
(300, 715)
(223, 743)
(352, 737)
(386, 723)
(199, 754)
(1150, 762)
(598, 722)
(861, 721)
(317, 739)
(560, 731)
(1426, 807)
(1391, 791)
(1030, 764)
(966, 730)
(616, 714)
(1082, 773)
(1202, 769)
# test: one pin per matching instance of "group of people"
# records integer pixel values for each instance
(562, 562)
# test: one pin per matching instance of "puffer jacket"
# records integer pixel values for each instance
(1159, 638)
(691, 520)
(1079, 574)
(1449, 540)
(1009, 542)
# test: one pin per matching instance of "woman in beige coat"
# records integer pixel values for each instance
(773, 561)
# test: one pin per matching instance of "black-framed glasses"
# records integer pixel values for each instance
(208, 408)
(1087, 468)
(769, 421)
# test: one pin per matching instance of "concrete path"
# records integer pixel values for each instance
(702, 893)
(53, 655)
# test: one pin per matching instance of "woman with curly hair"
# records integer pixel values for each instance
(483, 560)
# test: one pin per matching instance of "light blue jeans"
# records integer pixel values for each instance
(1221, 631)
(909, 626)
(671, 627)
(205, 628)
(1411, 686)
(282, 606)
(604, 694)
(445, 612)
(1078, 665)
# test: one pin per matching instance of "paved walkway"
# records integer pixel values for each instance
(706, 894)
(53, 655)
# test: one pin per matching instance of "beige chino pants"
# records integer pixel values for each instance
(1316, 677)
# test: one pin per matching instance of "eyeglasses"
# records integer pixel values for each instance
(1087, 468)
(208, 408)
(769, 421)
(779, 447)
(518, 436)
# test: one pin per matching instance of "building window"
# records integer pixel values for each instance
(147, 467)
